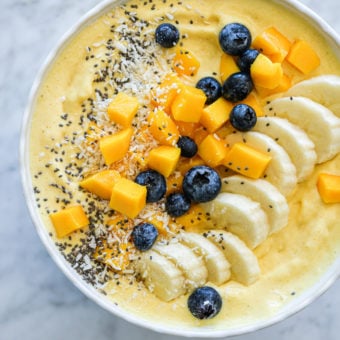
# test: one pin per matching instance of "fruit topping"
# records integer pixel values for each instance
(211, 87)
(216, 114)
(163, 128)
(246, 160)
(212, 150)
(122, 109)
(188, 104)
(204, 303)
(114, 147)
(303, 57)
(228, 66)
(164, 159)
(144, 236)
(128, 197)
(69, 220)
(329, 187)
(235, 39)
(201, 184)
(177, 204)
(167, 35)
(246, 59)
(188, 147)
(155, 184)
(237, 87)
(243, 117)
(185, 63)
(101, 183)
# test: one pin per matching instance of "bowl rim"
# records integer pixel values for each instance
(301, 302)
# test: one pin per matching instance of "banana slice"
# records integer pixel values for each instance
(320, 124)
(191, 265)
(239, 215)
(215, 261)
(322, 89)
(244, 265)
(271, 200)
(161, 276)
(280, 172)
(294, 140)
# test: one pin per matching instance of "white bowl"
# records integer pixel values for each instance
(296, 305)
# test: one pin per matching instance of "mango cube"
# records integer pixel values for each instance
(329, 187)
(163, 128)
(69, 220)
(246, 160)
(265, 73)
(164, 159)
(212, 151)
(273, 44)
(188, 105)
(128, 197)
(174, 183)
(101, 183)
(187, 129)
(228, 66)
(216, 114)
(122, 109)
(165, 93)
(303, 57)
(114, 147)
(284, 85)
(185, 63)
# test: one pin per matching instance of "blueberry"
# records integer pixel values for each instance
(144, 236)
(211, 87)
(167, 35)
(204, 303)
(235, 39)
(237, 87)
(201, 184)
(177, 204)
(155, 184)
(188, 146)
(246, 59)
(243, 117)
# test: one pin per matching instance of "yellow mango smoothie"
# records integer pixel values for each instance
(166, 158)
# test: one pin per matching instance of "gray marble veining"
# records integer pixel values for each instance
(36, 300)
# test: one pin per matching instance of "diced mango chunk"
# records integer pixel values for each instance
(128, 197)
(284, 85)
(114, 147)
(122, 109)
(68, 220)
(246, 160)
(163, 95)
(185, 63)
(329, 187)
(164, 159)
(186, 164)
(253, 102)
(193, 218)
(188, 105)
(303, 57)
(212, 150)
(265, 73)
(163, 128)
(200, 134)
(187, 129)
(273, 44)
(228, 66)
(216, 114)
(101, 183)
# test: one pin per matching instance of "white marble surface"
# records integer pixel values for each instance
(36, 300)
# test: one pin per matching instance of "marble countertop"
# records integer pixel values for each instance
(36, 300)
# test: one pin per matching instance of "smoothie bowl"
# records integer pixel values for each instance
(181, 161)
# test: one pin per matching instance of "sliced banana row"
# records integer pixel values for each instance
(189, 261)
